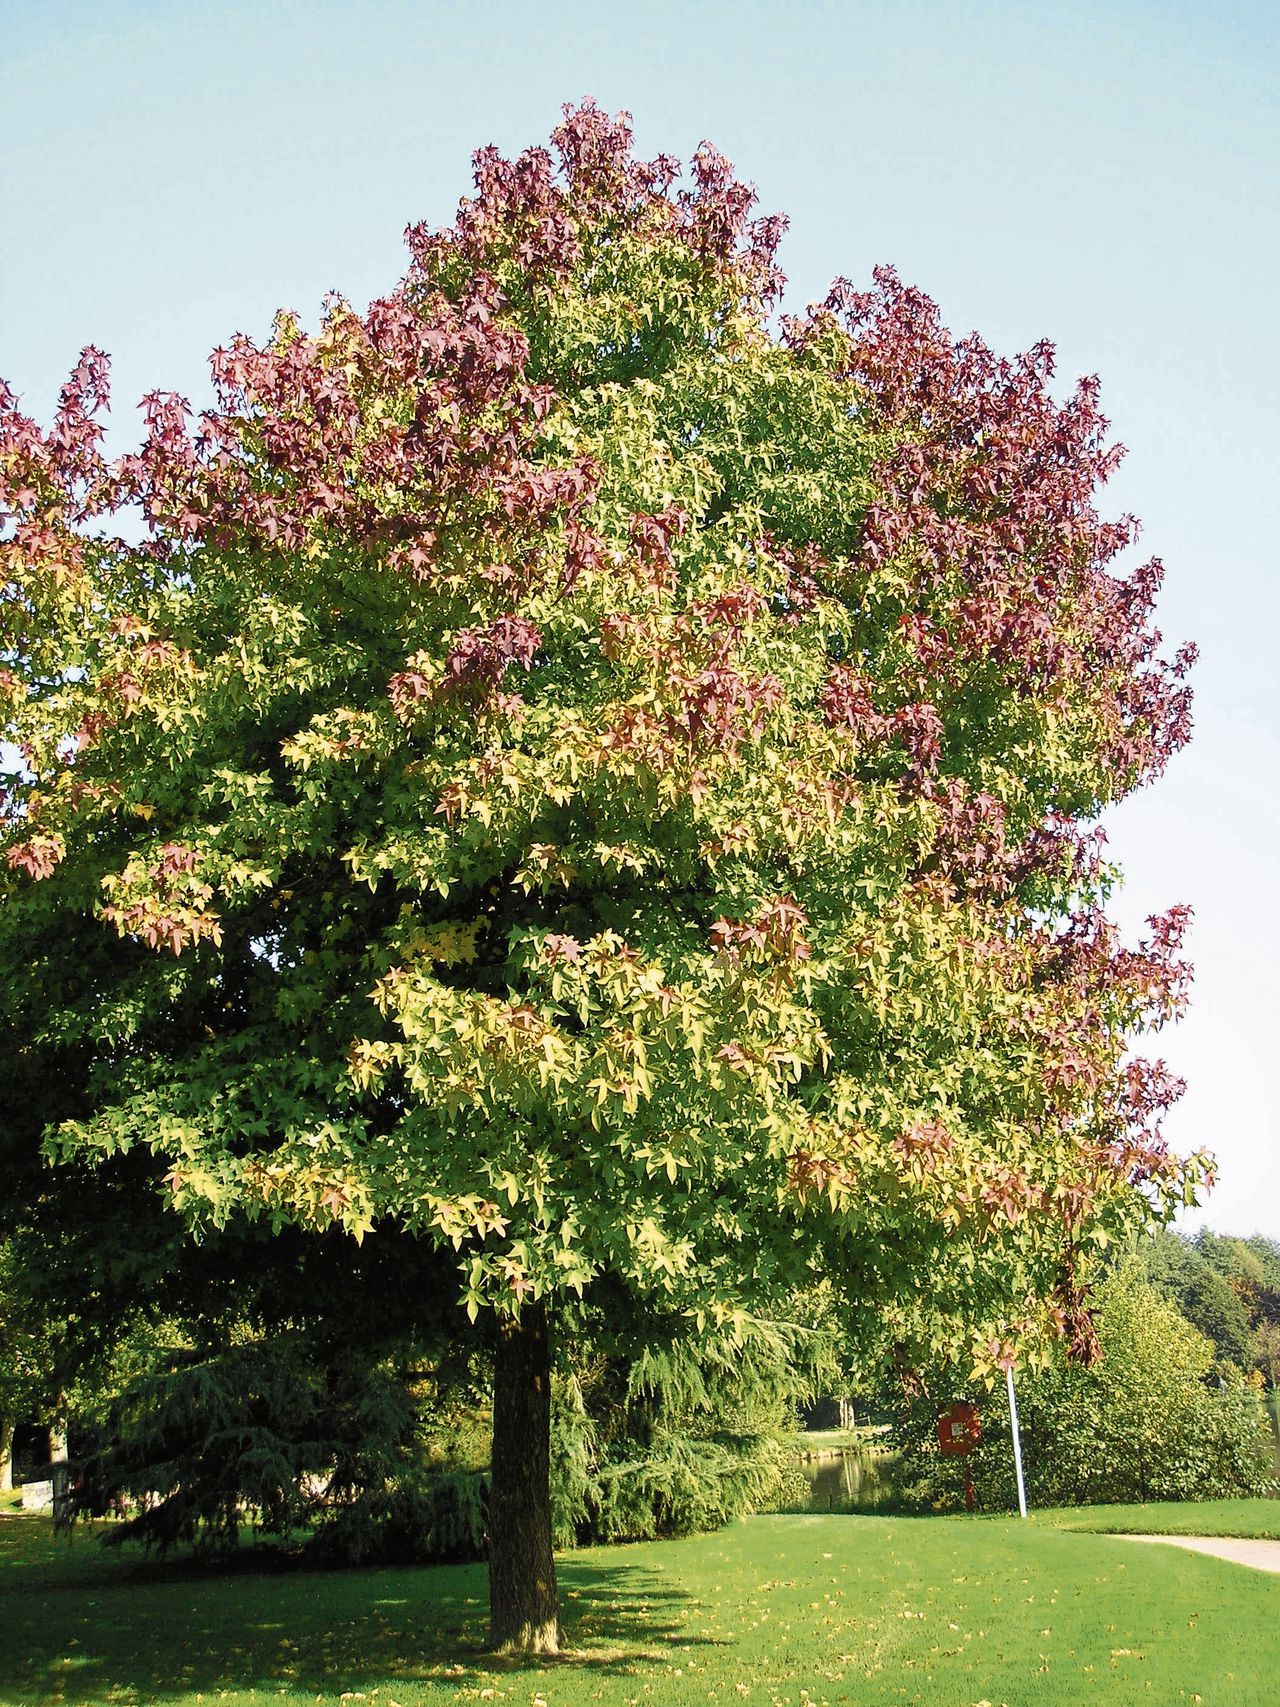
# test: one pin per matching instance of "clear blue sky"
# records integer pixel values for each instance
(1105, 175)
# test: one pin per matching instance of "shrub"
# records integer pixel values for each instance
(1153, 1419)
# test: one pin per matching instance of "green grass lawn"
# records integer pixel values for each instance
(828, 1440)
(839, 1439)
(1208, 1517)
(776, 1612)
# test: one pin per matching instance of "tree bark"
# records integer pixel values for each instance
(6, 1453)
(524, 1613)
(60, 1470)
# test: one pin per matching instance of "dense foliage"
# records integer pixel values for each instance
(332, 1441)
(204, 1444)
(1227, 1287)
(81, 1255)
(602, 778)
(1148, 1420)
(296, 1381)
(673, 1433)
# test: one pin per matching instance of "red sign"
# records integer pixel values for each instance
(959, 1429)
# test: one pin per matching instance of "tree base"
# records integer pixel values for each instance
(532, 1639)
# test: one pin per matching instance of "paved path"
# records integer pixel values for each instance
(1262, 1555)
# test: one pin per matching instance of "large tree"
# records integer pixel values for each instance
(603, 778)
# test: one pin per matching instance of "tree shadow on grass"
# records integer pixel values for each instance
(143, 1633)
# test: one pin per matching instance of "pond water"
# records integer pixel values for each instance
(858, 1479)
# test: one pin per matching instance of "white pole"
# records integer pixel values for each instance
(1017, 1444)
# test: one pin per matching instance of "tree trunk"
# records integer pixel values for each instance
(60, 1471)
(524, 1613)
(6, 1453)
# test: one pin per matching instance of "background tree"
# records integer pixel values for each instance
(1267, 1352)
(1178, 1268)
(601, 779)
(658, 1430)
(291, 1397)
(81, 1249)
(1227, 1287)
(1146, 1421)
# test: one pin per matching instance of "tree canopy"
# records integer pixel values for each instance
(601, 774)
(1227, 1287)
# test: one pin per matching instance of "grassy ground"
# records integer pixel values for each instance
(777, 1612)
(1210, 1517)
(829, 1440)
(838, 1439)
